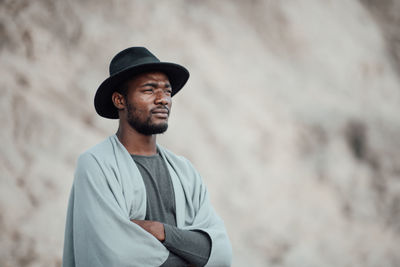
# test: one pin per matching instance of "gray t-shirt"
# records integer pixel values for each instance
(186, 247)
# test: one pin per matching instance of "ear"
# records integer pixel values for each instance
(118, 100)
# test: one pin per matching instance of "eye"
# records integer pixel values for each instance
(148, 90)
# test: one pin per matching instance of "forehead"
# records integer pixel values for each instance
(155, 76)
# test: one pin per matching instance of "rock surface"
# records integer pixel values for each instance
(291, 115)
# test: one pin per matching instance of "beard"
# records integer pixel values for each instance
(146, 126)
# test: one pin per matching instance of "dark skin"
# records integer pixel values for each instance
(146, 92)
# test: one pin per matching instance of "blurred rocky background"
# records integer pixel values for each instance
(291, 115)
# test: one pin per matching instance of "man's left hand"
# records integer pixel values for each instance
(153, 227)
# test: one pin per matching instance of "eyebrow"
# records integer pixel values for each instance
(154, 84)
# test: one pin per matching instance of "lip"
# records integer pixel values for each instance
(160, 110)
(161, 113)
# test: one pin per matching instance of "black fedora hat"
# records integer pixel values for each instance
(125, 65)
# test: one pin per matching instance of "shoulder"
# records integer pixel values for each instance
(101, 152)
(183, 166)
(93, 165)
(178, 160)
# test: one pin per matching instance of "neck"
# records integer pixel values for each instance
(135, 142)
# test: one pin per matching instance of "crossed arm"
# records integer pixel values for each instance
(187, 248)
(153, 227)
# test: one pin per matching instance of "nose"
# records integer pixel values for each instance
(162, 98)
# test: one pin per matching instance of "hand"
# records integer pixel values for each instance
(153, 227)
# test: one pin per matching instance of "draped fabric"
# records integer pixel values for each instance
(108, 191)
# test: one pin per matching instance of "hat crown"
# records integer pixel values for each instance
(131, 57)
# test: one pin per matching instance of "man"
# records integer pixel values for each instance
(133, 202)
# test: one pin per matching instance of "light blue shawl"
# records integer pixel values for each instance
(108, 191)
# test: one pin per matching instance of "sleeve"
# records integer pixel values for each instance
(98, 230)
(192, 246)
(207, 220)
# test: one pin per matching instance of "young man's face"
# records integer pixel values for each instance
(148, 103)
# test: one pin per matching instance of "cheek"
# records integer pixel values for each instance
(140, 103)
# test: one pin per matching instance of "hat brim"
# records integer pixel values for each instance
(177, 75)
